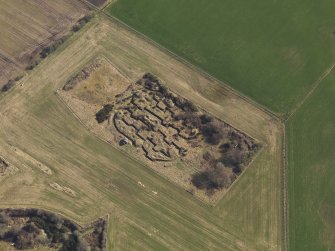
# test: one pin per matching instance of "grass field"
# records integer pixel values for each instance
(272, 51)
(34, 121)
(311, 133)
(26, 25)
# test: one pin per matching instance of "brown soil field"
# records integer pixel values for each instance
(27, 26)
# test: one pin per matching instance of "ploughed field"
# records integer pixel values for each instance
(27, 27)
(271, 51)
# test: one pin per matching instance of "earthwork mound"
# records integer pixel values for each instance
(168, 132)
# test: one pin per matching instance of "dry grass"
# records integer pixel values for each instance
(34, 120)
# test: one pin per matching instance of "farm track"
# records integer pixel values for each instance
(312, 90)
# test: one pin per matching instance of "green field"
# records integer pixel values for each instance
(272, 51)
(311, 135)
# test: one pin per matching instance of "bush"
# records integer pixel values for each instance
(185, 105)
(76, 28)
(188, 106)
(70, 244)
(59, 231)
(18, 78)
(190, 120)
(205, 119)
(225, 147)
(212, 178)
(151, 77)
(104, 113)
(212, 134)
(81, 23)
(8, 86)
(51, 48)
(237, 170)
(32, 65)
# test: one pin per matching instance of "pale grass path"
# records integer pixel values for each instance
(312, 90)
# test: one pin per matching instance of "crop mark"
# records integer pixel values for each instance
(315, 86)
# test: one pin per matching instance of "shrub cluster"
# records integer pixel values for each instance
(104, 113)
(51, 48)
(28, 235)
(98, 238)
(213, 178)
(10, 84)
(212, 132)
(32, 65)
(81, 23)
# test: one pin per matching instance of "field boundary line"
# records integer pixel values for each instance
(285, 201)
(316, 84)
(189, 64)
